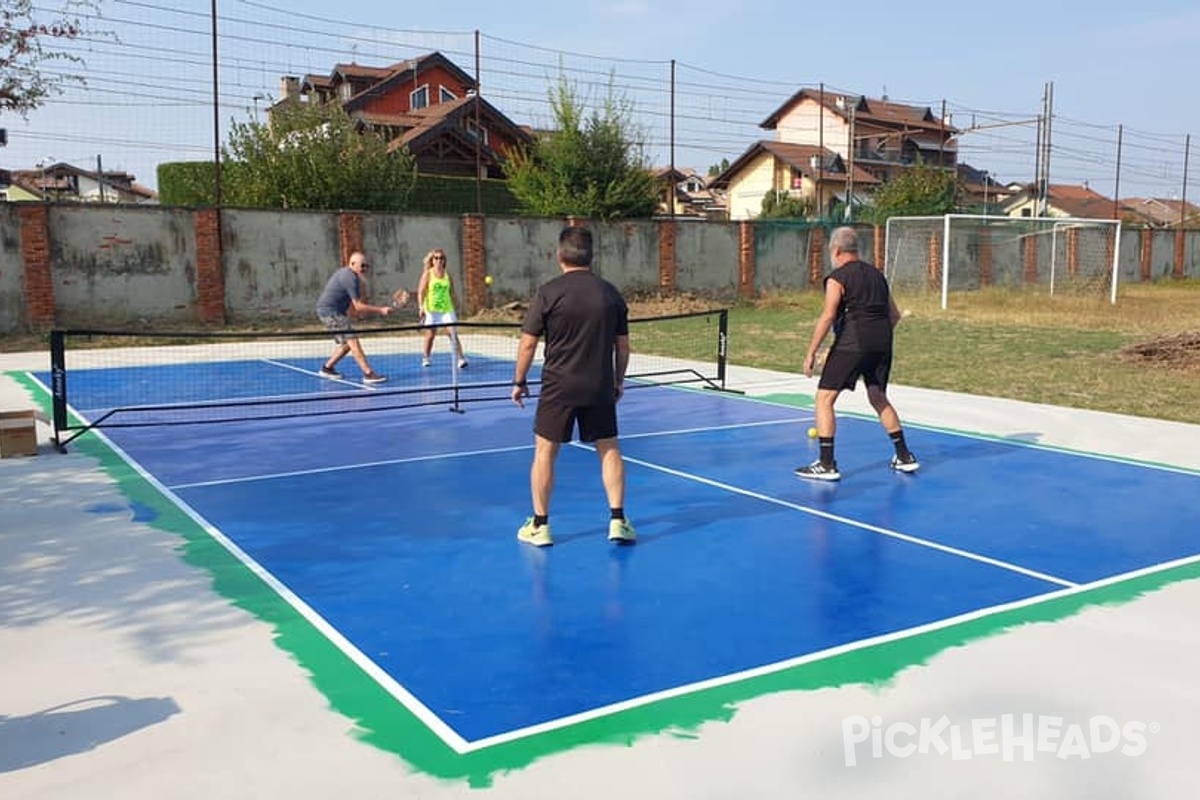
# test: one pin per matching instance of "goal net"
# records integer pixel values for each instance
(962, 252)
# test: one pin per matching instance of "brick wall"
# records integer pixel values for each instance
(35, 254)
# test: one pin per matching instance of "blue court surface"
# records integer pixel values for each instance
(394, 533)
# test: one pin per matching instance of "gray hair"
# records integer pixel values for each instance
(844, 239)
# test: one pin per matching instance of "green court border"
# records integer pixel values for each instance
(386, 724)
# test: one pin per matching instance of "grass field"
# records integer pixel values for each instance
(1071, 351)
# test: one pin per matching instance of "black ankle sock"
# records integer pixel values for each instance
(540, 519)
(826, 443)
(897, 437)
(618, 513)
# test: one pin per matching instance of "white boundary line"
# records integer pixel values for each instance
(386, 681)
(462, 746)
(779, 666)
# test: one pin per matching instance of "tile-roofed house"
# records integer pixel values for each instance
(1062, 200)
(66, 182)
(820, 177)
(425, 104)
(979, 191)
(878, 135)
(686, 193)
(1159, 212)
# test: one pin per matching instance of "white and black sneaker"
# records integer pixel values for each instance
(819, 472)
(332, 374)
(374, 377)
(905, 463)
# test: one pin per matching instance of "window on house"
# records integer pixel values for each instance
(469, 125)
(419, 98)
(445, 95)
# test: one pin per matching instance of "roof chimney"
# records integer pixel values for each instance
(289, 86)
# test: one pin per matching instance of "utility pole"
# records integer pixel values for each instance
(1116, 212)
(849, 215)
(1187, 146)
(1043, 201)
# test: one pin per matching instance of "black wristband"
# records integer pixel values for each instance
(522, 384)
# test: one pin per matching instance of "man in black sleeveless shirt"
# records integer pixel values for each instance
(861, 312)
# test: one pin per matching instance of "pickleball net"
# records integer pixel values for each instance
(124, 378)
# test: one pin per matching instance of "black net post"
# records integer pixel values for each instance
(58, 386)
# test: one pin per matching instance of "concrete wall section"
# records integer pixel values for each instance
(12, 285)
(395, 246)
(780, 256)
(277, 262)
(707, 257)
(521, 255)
(626, 254)
(117, 264)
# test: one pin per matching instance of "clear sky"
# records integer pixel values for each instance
(1117, 69)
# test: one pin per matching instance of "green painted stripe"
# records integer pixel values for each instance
(383, 722)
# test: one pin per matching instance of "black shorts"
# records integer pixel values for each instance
(843, 368)
(556, 421)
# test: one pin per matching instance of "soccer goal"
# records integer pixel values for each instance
(964, 252)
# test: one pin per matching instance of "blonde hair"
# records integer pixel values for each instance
(428, 260)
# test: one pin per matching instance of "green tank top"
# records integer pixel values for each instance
(437, 294)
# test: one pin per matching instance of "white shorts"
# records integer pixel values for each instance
(440, 318)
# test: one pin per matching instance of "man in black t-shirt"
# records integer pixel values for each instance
(585, 324)
(861, 312)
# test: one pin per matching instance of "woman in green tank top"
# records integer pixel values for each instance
(438, 301)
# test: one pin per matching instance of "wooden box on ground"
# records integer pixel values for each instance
(18, 434)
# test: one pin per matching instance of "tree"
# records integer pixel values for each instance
(716, 169)
(917, 192)
(29, 39)
(314, 157)
(781, 205)
(587, 166)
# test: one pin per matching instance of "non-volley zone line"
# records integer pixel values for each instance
(269, 476)
(816, 512)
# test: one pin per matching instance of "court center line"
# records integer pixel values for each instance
(904, 537)
(366, 387)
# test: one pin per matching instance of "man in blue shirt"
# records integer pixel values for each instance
(344, 291)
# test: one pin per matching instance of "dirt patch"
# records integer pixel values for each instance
(1177, 351)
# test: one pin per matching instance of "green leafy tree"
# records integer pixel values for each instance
(781, 205)
(588, 166)
(919, 191)
(31, 42)
(717, 169)
(314, 158)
